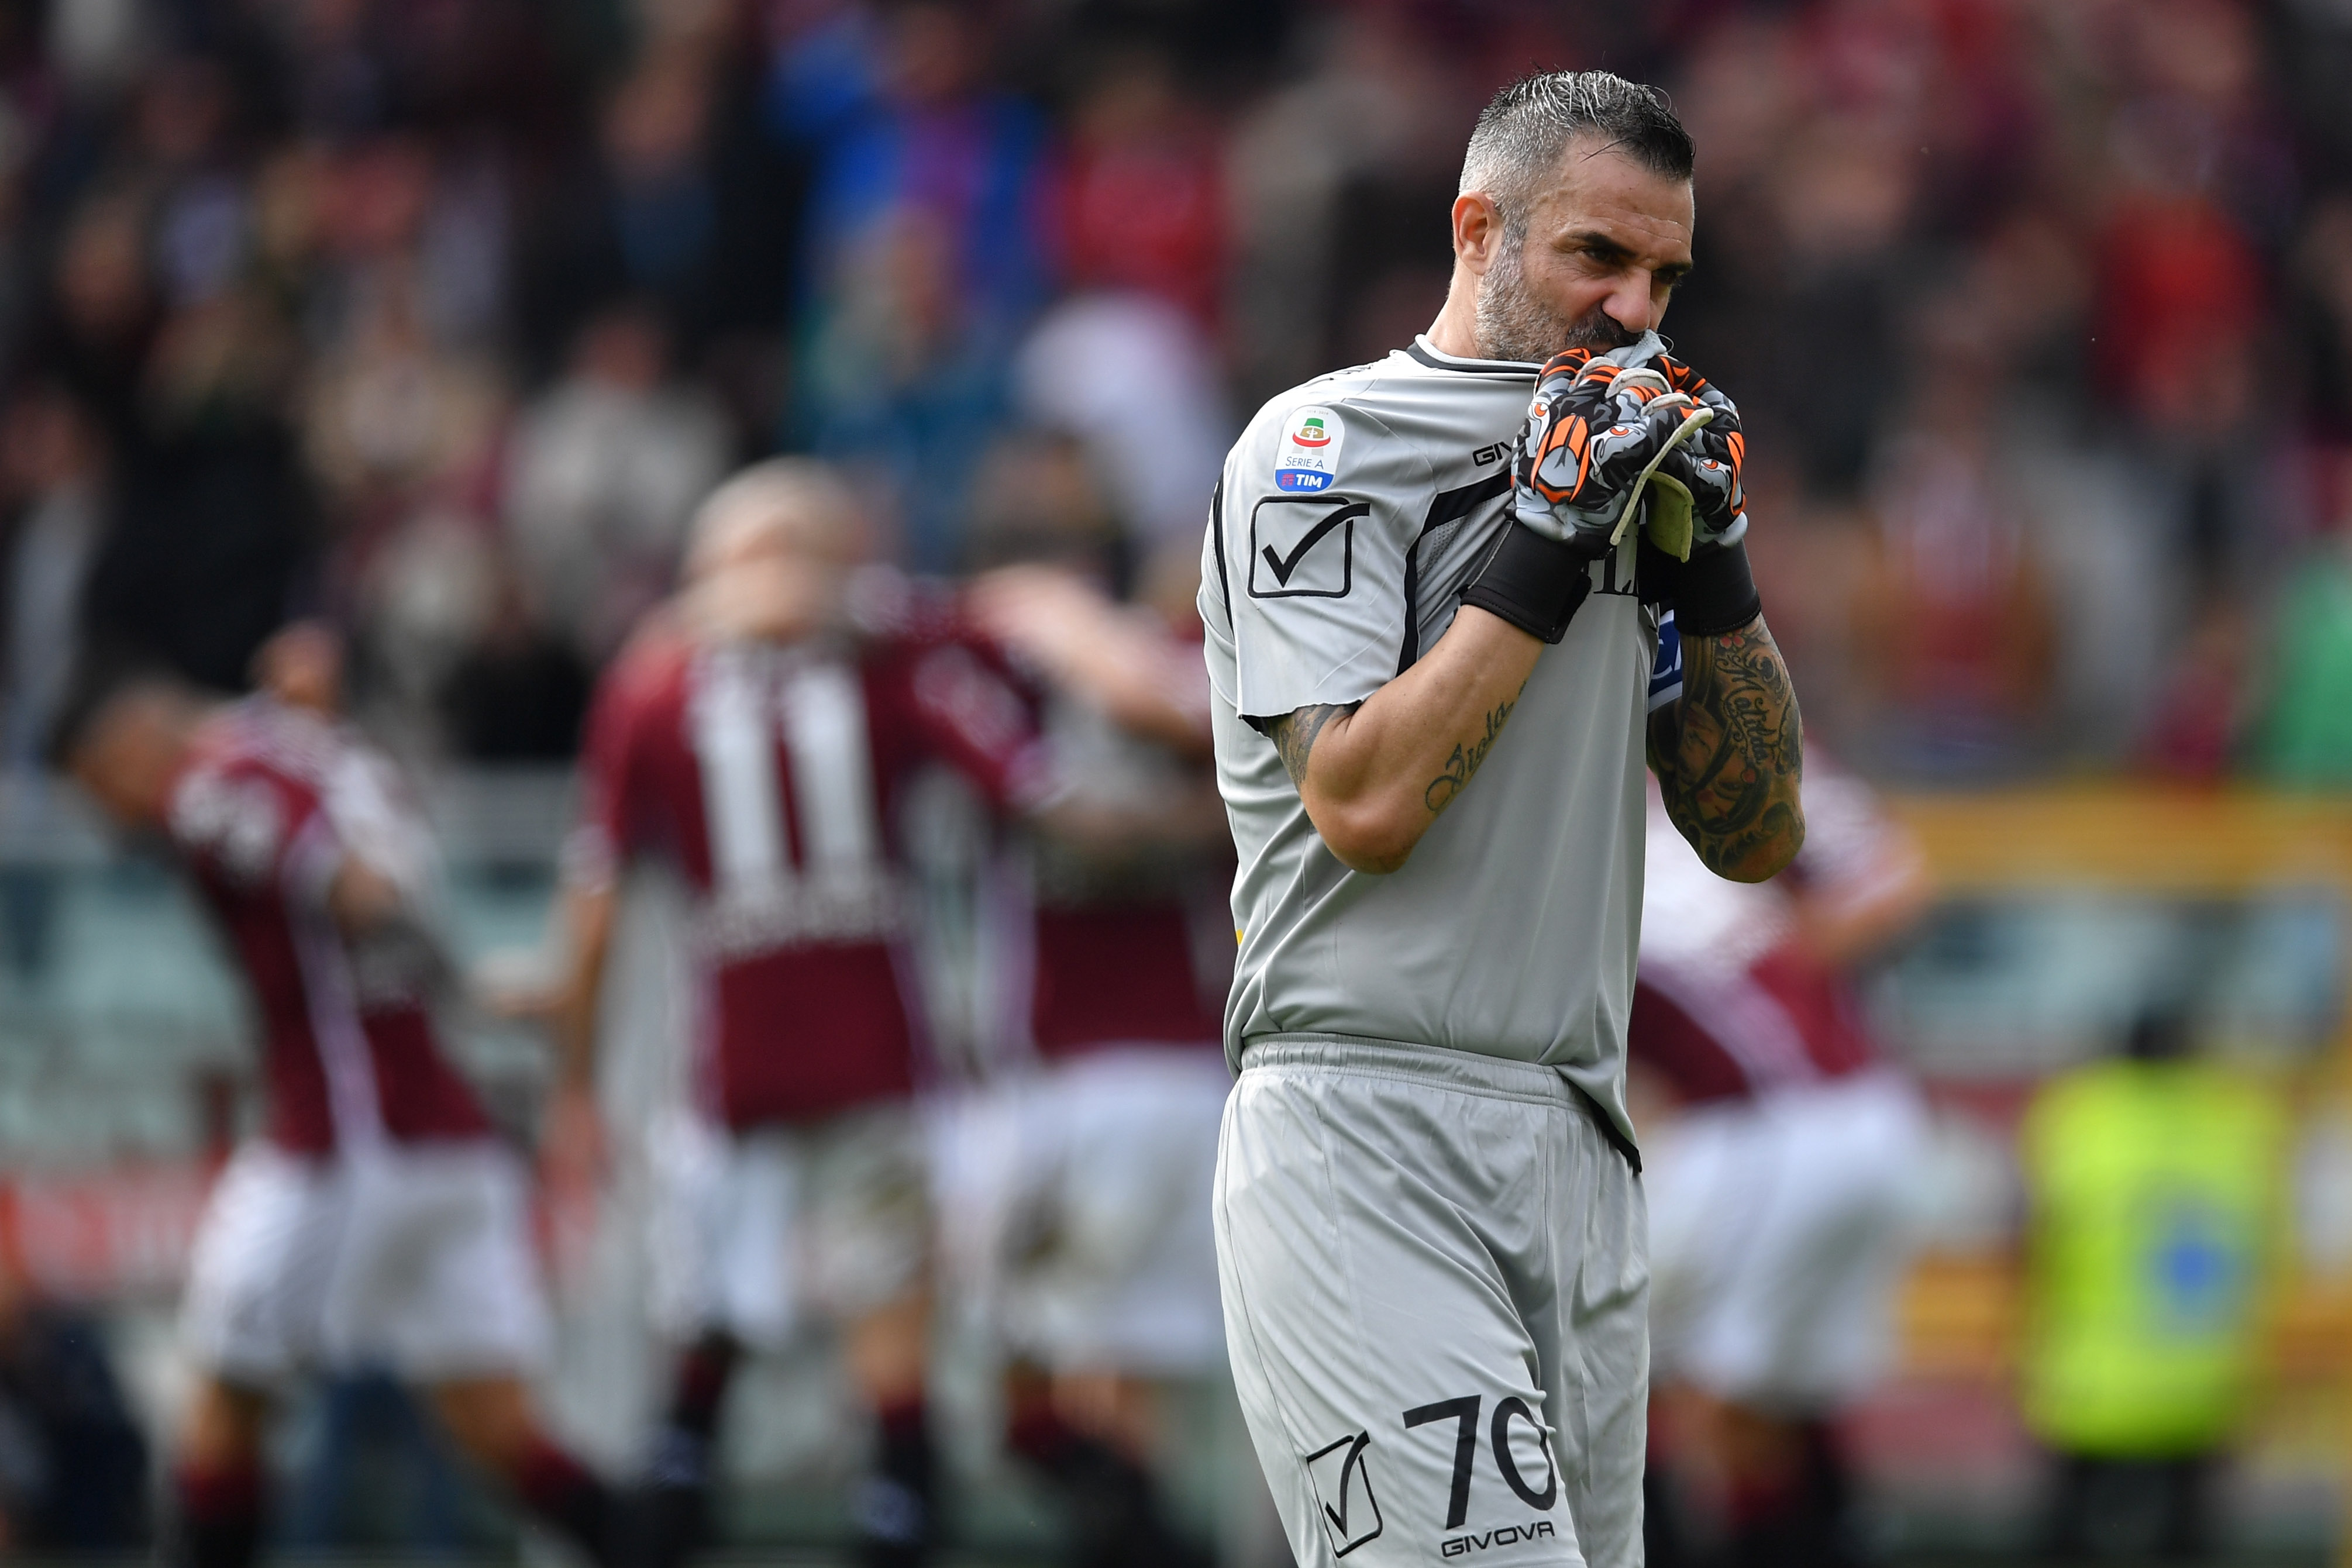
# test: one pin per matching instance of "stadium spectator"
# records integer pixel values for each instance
(1959, 606)
(2303, 735)
(605, 469)
(2321, 321)
(924, 254)
(1298, 271)
(73, 1462)
(53, 479)
(686, 205)
(1145, 357)
(1135, 201)
(91, 328)
(216, 515)
(52, 471)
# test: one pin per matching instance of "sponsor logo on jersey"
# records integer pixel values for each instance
(1503, 1535)
(1309, 459)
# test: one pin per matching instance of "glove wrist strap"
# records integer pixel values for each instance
(1714, 591)
(1535, 583)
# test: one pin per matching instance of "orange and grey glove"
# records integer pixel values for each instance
(1695, 553)
(1705, 465)
(1596, 433)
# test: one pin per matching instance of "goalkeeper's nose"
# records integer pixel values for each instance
(1631, 303)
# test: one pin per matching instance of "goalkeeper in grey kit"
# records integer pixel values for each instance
(1442, 593)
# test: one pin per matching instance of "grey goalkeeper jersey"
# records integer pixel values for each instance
(1349, 516)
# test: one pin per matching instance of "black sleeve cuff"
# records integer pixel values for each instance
(1535, 583)
(1713, 592)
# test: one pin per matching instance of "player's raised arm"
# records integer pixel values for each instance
(612, 811)
(1729, 753)
(1119, 658)
(1374, 775)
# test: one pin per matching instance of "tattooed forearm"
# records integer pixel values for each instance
(1730, 755)
(1294, 736)
(1465, 760)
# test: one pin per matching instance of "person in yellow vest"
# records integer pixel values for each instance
(2155, 1187)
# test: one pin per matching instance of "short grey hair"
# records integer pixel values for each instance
(1522, 131)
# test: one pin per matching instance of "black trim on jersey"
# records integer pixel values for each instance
(1611, 1132)
(1448, 505)
(1473, 367)
(1217, 532)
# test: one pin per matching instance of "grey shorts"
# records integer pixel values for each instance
(1436, 1297)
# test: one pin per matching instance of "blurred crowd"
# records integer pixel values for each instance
(436, 319)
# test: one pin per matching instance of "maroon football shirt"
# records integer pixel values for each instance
(269, 805)
(1749, 1007)
(772, 778)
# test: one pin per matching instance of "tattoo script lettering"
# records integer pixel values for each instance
(1464, 763)
(1730, 755)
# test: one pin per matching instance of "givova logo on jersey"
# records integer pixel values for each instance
(1309, 459)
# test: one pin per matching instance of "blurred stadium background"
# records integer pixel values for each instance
(433, 319)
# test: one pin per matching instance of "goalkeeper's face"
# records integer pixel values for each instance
(1590, 261)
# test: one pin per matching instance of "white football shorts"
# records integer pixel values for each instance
(1437, 1299)
(1076, 1201)
(1779, 1228)
(412, 1258)
(754, 1230)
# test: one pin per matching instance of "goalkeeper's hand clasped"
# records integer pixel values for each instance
(1706, 462)
(1609, 436)
(1597, 429)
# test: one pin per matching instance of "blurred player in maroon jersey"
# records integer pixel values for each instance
(759, 737)
(1079, 1178)
(1782, 1155)
(376, 1221)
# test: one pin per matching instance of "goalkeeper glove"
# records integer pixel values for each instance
(1695, 551)
(1596, 433)
(1705, 466)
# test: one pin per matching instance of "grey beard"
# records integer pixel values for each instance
(1513, 324)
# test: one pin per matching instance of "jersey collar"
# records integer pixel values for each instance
(1437, 359)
